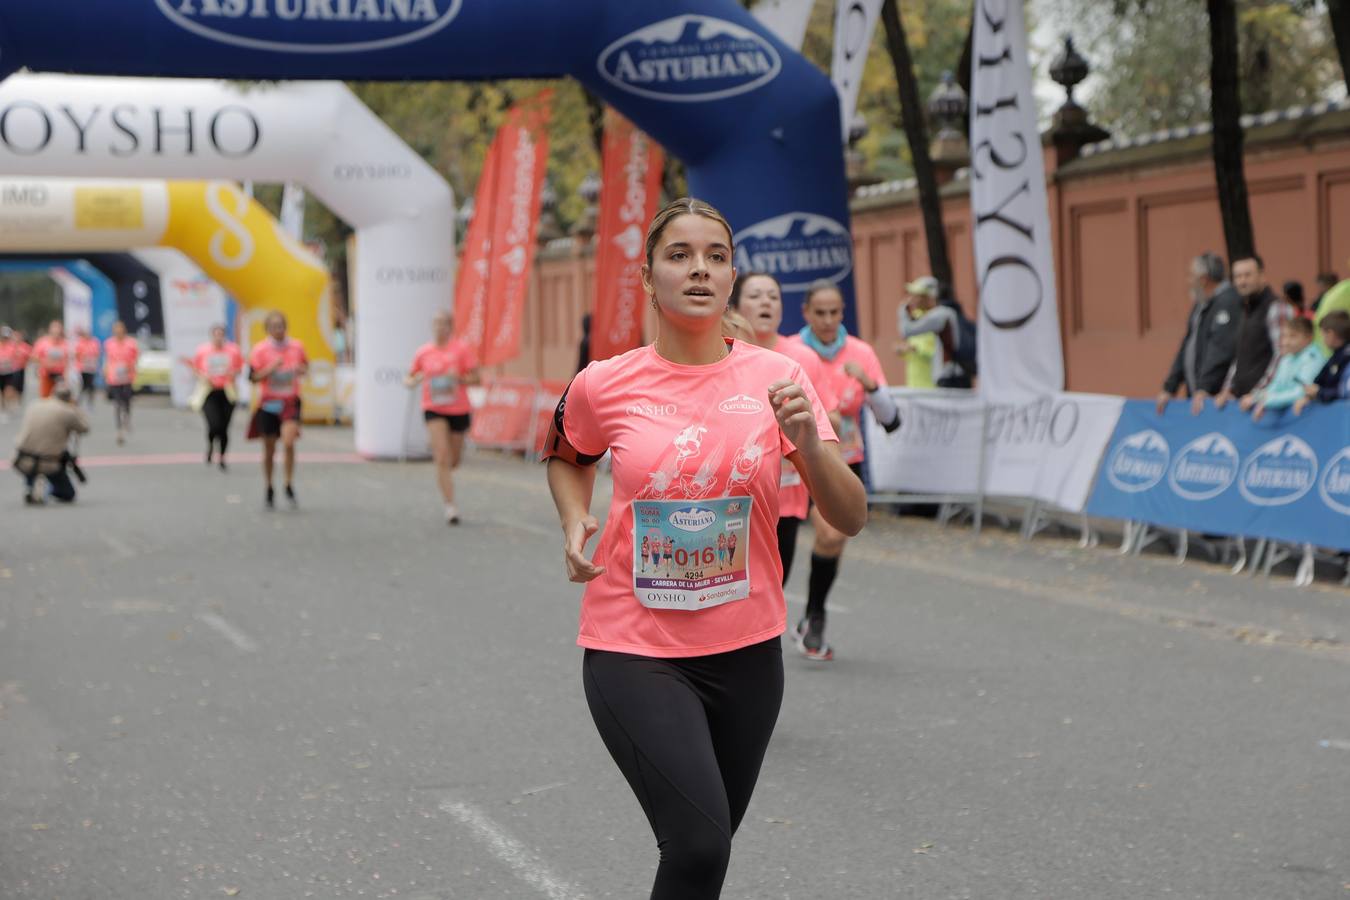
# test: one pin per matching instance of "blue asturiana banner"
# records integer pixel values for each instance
(1286, 477)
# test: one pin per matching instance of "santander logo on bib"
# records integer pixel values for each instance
(688, 59)
(692, 518)
(312, 26)
(741, 405)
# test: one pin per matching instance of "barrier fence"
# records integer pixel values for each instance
(1283, 479)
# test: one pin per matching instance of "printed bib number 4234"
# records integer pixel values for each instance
(691, 554)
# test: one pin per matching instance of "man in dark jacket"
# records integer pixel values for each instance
(1206, 353)
(1258, 340)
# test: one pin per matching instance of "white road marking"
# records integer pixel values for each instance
(511, 852)
(232, 634)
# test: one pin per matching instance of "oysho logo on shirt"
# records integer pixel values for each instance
(312, 26)
(1205, 467)
(1279, 472)
(741, 404)
(692, 518)
(1139, 462)
(690, 58)
(797, 248)
(648, 408)
(1335, 484)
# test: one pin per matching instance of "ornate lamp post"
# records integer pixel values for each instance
(1072, 128)
(947, 109)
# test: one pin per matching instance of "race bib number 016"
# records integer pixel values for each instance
(691, 554)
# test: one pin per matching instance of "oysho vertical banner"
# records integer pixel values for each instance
(630, 189)
(1019, 347)
(471, 288)
(854, 23)
(521, 161)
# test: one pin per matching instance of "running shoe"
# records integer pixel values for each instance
(222, 464)
(451, 514)
(813, 645)
(290, 497)
(210, 451)
(271, 499)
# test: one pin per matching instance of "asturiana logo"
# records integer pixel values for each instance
(797, 248)
(1335, 484)
(692, 518)
(1205, 468)
(690, 58)
(1279, 472)
(741, 405)
(1139, 462)
(312, 26)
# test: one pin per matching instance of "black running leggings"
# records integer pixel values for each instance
(787, 543)
(218, 411)
(689, 735)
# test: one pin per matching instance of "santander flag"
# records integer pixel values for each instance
(471, 288)
(521, 159)
(630, 188)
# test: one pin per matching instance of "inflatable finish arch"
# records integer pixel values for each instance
(756, 124)
(316, 134)
(135, 285)
(230, 236)
(90, 301)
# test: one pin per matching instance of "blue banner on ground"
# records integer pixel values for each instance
(1286, 477)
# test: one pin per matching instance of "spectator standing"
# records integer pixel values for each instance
(1207, 350)
(943, 321)
(43, 444)
(1300, 361)
(917, 353)
(1258, 339)
(1333, 382)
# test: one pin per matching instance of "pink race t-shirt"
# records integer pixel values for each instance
(121, 354)
(86, 354)
(284, 383)
(696, 455)
(52, 356)
(218, 365)
(13, 357)
(443, 370)
(849, 391)
(794, 500)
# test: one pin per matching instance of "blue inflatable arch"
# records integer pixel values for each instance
(102, 296)
(135, 285)
(754, 122)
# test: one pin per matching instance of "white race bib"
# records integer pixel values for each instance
(696, 553)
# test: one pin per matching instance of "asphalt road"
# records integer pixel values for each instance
(201, 699)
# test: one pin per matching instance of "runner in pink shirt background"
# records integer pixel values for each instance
(87, 353)
(276, 365)
(854, 373)
(52, 353)
(217, 363)
(120, 354)
(13, 359)
(445, 367)
(759, 298)
(684, 673)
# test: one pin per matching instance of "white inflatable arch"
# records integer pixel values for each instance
(313, 133)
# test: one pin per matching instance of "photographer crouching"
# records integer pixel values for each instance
(44, 446)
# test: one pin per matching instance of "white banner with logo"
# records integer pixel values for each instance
(854, 22)
(1046, 449)
(1020, 353)
(787, 19)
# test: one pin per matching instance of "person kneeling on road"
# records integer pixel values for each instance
(43, 445)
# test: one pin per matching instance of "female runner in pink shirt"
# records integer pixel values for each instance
(445, 366)
(121, 353)
(87, 353)
(276, 364)
(683, 672)
(218, 362)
